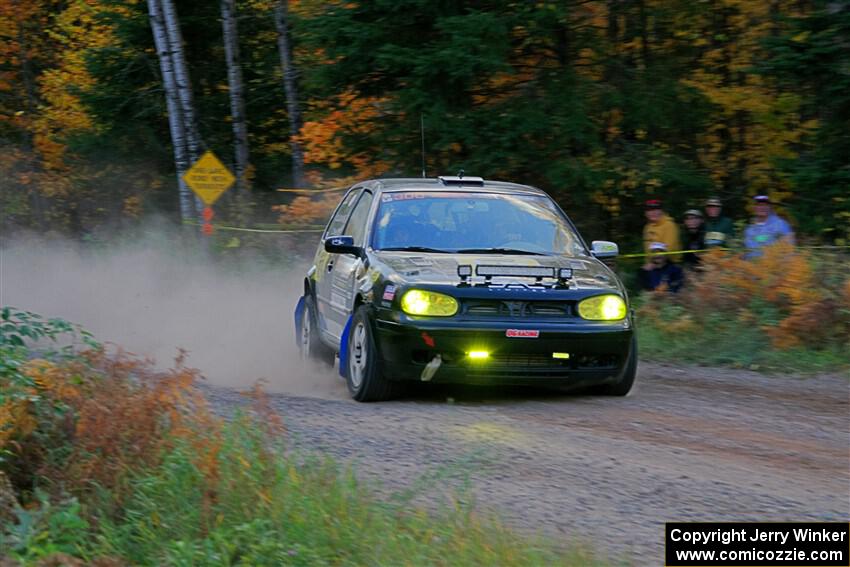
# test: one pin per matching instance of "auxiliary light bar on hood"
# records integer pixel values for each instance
(465, 271)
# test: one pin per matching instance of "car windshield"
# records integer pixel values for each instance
(457, 222)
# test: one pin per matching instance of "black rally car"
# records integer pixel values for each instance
(458, 279)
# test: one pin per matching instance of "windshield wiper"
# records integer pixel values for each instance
(498, 251)
(414, 249)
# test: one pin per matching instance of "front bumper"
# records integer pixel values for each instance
(597, 352)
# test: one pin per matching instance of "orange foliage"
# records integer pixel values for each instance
(23, 176)
(781, 276)
(77, 29)
(132, 206)
(120, 425)
(117, 411)
(305, 210)
(323, 142)
(315, 8)
(802, 307)
(118, 417)
(15, 421)
(269, 420)
(22, 50)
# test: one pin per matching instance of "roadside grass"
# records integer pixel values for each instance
(259, 508)
(736, 346)
(106, 461)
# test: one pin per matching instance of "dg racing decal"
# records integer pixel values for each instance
(522, 333)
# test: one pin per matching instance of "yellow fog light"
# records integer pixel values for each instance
(421, 302)
(478, 354)
(603, 308)
(561, 355)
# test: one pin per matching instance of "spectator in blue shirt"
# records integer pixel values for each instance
(660, 272)
(767, 228)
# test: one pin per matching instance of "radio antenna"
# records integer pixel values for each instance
(422, 131)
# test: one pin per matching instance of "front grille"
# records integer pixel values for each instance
(549, 310)
(517, 309)
(595, 361)
(522, 364)
(526, 359)
(483, 310)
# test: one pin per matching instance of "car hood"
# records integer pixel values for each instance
(414, 267)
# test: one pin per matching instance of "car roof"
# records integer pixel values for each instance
(437, 184)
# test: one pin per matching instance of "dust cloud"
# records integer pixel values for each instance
(156, 294)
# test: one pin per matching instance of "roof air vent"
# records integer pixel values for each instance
(460, 180)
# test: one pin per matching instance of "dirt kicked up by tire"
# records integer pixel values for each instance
(309, 344)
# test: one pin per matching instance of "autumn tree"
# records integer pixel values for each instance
(809, 63)
(601, 102)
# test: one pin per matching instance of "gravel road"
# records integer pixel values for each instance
(691, 444)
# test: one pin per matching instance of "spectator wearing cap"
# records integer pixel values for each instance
(659, 228)
(719, 230)
(766, 228)
(693, 237)
(660, 273)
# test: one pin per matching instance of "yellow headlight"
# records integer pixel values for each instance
(421, 302)
(603, 308)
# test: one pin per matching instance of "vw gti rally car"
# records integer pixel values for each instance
(458, 279)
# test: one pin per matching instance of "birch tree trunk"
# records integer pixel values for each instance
(183, 84)
(175, 115)
(236, 87)
(290, 88)
(181, 78)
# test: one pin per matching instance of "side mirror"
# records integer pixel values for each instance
(604, 249)
(343, 245)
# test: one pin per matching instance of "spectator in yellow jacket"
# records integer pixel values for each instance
(660, 228)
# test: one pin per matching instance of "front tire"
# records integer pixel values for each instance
(624, 386)
(309, 343)
(364, 378)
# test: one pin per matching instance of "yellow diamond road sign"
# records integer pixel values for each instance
(208, 178)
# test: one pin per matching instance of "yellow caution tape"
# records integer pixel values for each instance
(680, 252)
(311, 190)
(260, 230)
(640, 255)
(674, 252)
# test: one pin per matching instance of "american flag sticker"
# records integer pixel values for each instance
(389, 293)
